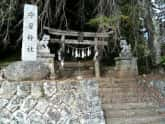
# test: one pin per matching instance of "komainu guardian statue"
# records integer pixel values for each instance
(43, 44)
(125, 49)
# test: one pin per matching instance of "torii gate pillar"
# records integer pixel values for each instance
(96, 59)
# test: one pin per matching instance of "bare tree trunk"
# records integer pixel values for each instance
(156, 41)
(152, 28)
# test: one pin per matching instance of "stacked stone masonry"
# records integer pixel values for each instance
(50, 102)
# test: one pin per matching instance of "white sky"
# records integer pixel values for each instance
(153, 1)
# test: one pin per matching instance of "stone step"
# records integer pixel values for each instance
(119, 89)
(105, 79)
(125, 106)
(162, 121)
(135, 120)
(116, 95)
(131, 113)
(116, 85)
(121, 94)
(125, 100)
(121, 100)
(128, 96)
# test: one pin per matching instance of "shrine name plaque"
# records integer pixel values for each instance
(30, 26)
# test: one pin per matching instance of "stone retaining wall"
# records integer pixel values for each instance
(159, 85)
(156, 89)
(50, 102)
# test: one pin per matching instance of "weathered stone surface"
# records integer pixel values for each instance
(50, 102)
(15, 103)
(50, 88)
(3, 103)
(42, 105)
(28, 104)
(5, 116)
(35, 118)
(56, 99)
(19, 117)
(8, 89)
(37, 90)
(70, 98)
(22, 71)
(23, 89)
(53, 114)
(159, 85)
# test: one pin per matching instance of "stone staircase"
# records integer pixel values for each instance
(125, 102)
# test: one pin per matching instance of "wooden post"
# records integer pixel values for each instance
(96, 60)
(63, 42)
(63, 49)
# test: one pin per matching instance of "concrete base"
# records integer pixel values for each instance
(126, 67)
(47, 59)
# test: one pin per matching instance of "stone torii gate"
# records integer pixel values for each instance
(81, 38)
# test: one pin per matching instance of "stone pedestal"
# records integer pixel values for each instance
(47, 59)
(126, 66)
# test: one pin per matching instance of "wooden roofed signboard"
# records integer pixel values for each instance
(29, 43)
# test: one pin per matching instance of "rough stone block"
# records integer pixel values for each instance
(37, 90)
(3, 103)
(26, 71)
(50, 88)
(23, 89)
(42, 105)
(28, 104)
(8, 89)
